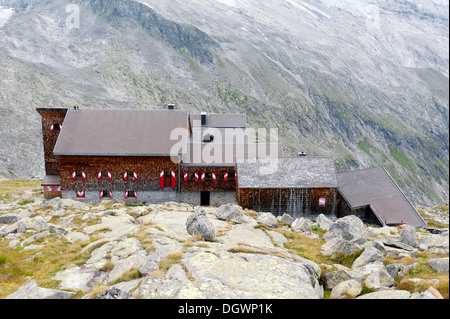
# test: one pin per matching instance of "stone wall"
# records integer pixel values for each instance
(150, 197)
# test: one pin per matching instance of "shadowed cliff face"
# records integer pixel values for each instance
(365, 82)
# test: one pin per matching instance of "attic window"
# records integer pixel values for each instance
(55, 127)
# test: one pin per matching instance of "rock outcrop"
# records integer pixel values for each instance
(151, 251)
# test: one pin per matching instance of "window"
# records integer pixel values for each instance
(130, 194)
(104, 175)
(80, 194)
(130, 175)
(231, 176)
(105, 193)
(80, 175)
(193, 177)
(55, 127)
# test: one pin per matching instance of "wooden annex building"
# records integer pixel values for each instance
(156, 156)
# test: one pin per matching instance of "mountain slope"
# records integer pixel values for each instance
(363, 81)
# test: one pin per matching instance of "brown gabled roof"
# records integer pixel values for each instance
(120, 132)
(288, 172)
(374, 187)
(228, 154)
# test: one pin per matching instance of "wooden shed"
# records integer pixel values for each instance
(373, 195)
(302, 186)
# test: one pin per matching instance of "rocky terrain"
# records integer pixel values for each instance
(363, 81)
(61, 248)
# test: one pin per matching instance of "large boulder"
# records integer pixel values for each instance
(333, 278)
(32, 291)
(387, 294)
(347, 228)
(348, 289)
(379, 279)
(79, 278)
(336, 246)
(198, 223)
(267, 219)
(370, 254)
(230, 212)
(408, 236)
(302, 225)
(323, 222)
(440, 265)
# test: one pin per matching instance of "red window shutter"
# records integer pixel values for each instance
(74, 175)
(213, 177)
(101, 194)
(134, 176)
(185, 177)
(99, 175)
(173, 179)
(125, 176)
(83, 176)
(80, 194)
(52, 128)
(225, 177)
(161, 179)
(126, 194)
(110, 194)
(203, 177)
(196, 177)
(109, 176)
(135, 194)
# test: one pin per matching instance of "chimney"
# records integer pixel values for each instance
(170, 106)
(203, 118)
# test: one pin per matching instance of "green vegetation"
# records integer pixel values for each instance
(363, 146)
(400, 157)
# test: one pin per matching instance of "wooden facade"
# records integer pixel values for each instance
(217, 184)
(297, 202)
(147, 168)
(52, 120)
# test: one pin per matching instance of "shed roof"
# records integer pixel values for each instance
(227, 154)
(220, 120)
(120, 132)
(287, 172)
(374, 187)
(51, 180)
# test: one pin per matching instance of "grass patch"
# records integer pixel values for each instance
(363, 146)
(17, 265)
(346, 260)
(400, 157)
(25, 202)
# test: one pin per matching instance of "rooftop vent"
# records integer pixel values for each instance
(203, 118)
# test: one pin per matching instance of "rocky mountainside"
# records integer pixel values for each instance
(61, 248)
(363, 81)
